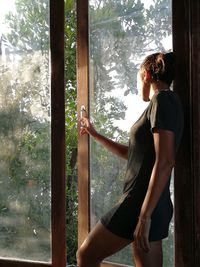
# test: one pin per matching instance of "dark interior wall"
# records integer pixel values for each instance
(186, 39)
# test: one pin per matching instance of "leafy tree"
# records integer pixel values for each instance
(25, 168)
(29, 26)
(25, 133)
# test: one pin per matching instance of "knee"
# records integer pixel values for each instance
(82, 257)
(85, 258)
(79, 256)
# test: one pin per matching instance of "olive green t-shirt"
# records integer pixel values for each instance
(163, 112)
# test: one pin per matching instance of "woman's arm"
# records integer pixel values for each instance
(165, 159)
(116, 148)
(164, 144)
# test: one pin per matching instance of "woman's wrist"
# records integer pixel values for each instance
(145, 212)
(94, 134)
(144, 220)
(145, 215)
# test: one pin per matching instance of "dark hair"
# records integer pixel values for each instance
(161, 66)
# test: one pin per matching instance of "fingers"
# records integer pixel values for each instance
(84, 122)
(142, 243)
(84, 126)
(141, 234)
(136, 239)
(83, 131)
(145, 246)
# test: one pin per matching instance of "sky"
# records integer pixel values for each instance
(147, 3)
(5, 7)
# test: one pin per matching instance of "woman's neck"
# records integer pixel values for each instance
(157, 87)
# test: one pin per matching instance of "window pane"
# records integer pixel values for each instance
(121, 34)
(25, 228)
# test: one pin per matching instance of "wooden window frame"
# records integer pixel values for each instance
(57, 144)
(186, 44)
(83, 99)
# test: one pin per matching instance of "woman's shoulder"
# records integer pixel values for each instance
(165, 97)
(167, 102)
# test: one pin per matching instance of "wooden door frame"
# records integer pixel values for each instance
(58, 149)
(186, 45)
(57, 144)
(186, 42)
(83, 99)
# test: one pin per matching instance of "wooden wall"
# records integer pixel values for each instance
(186, 39)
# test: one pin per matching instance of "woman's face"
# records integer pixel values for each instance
(143, 85)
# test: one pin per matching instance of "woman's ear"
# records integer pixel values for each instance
(147, 76)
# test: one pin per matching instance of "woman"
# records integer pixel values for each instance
(143, 214)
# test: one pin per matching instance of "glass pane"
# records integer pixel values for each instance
(25, 139)
(121, 34)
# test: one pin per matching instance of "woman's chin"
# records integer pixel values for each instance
(145, 99)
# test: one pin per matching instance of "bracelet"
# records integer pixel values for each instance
(144, 220)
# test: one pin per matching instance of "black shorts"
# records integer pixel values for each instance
(123, 218)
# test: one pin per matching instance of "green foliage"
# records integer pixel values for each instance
(25, 176)
(25, 134)
(120, 26)
(29, 26)
(159, 18)
(70, 78)
(71, 131)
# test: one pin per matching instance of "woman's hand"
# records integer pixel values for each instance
(86, 127)
(141, 234)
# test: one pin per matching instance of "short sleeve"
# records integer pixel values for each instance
(163, 113)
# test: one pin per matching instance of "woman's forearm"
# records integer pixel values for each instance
(116, 148)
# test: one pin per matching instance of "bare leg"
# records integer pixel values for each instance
(99, 244)
(153, 258)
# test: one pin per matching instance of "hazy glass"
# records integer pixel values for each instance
(25, 138)
(121, 34)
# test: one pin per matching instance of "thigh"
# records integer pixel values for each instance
(154, 258)
(102, 243)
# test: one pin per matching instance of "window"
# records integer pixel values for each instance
(32, 157)
(25, 133)
(121, 34)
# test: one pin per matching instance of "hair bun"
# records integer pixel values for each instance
(159, 63)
